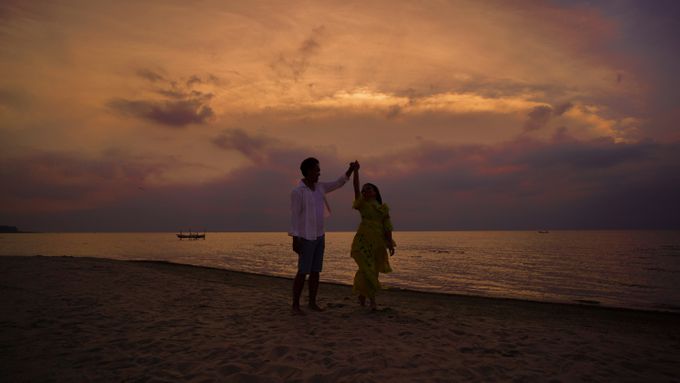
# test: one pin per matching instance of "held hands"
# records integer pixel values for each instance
(391, 249)
(353, 166)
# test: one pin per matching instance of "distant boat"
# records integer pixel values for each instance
(191, 235)
(543, 231)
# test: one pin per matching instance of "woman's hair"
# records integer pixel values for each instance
(307, 165)
(377, 192)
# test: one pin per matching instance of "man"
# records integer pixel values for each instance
(308, 208)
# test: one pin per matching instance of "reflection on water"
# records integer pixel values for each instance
(637, 269)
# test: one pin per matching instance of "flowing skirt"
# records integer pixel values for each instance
(370, 254)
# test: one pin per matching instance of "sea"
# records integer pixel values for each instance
(635, 269)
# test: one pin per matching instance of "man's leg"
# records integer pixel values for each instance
(314, 276)
(313, 289)
(305, 260)
(298, 285)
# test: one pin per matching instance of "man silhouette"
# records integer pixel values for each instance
(309, 207)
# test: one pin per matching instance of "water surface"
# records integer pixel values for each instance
(632, 269)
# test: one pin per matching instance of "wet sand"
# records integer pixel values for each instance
(87, 319)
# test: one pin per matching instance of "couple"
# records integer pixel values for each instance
(309, 207)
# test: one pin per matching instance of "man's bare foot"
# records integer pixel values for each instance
(315, 307)
(362, 300)
(374, 306)
(296, 310)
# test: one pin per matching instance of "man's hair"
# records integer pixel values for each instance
(307, 165)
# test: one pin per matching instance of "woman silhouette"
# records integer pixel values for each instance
(371, 242)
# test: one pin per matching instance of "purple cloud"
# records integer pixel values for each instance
(171, 113)
(179, 106)
(565, 183)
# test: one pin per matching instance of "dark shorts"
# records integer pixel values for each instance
(310, 259)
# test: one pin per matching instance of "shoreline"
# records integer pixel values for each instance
(583, 303)
(73, 319)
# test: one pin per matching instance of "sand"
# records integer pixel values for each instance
(85, 319)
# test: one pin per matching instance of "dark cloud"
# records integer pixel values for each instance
(393, 111)
(150, 75)
(562, 108)
(310, 47)
(586, 155)
(209, 79)
(565, 183)
(180, 105)
(194, 80)
(527, 184)
(172, 113)
(254, 148)
(49, 182)
(294, 65)
(538, 117)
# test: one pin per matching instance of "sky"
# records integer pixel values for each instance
(468, 115)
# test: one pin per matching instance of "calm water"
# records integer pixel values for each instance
(634, 269)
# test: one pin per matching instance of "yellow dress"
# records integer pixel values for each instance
(369, 247)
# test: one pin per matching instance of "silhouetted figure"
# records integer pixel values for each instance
(371, 242)
(309, 207)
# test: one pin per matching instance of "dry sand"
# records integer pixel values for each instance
(84, 319)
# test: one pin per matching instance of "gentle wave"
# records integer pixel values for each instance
(632, 269)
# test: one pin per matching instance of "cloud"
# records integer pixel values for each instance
(180, 104)
(450, 76)
(449, 102)
(538, 117)
(150, 75)
(293, 65)
(56, 181)
(519, 184)
(176, 114)
(254, 148)
(524, 184)
(562, 108)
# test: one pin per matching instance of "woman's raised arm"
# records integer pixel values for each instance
(355, 181)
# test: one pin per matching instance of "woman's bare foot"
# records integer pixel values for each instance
(362, 300)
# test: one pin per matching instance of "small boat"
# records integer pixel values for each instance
(543, 232)
(191, 235)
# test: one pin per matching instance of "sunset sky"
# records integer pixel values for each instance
(162, 115)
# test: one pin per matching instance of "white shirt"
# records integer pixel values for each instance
(308, 208)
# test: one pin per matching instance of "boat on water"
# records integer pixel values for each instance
(543, 232)
(190, 235)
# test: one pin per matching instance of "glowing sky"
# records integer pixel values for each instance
(132, 115)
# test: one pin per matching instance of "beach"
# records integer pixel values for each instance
(87, 319)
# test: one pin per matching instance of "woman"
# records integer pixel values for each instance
(373, 238)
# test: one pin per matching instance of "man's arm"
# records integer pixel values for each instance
(295, 210)
(330, 186)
